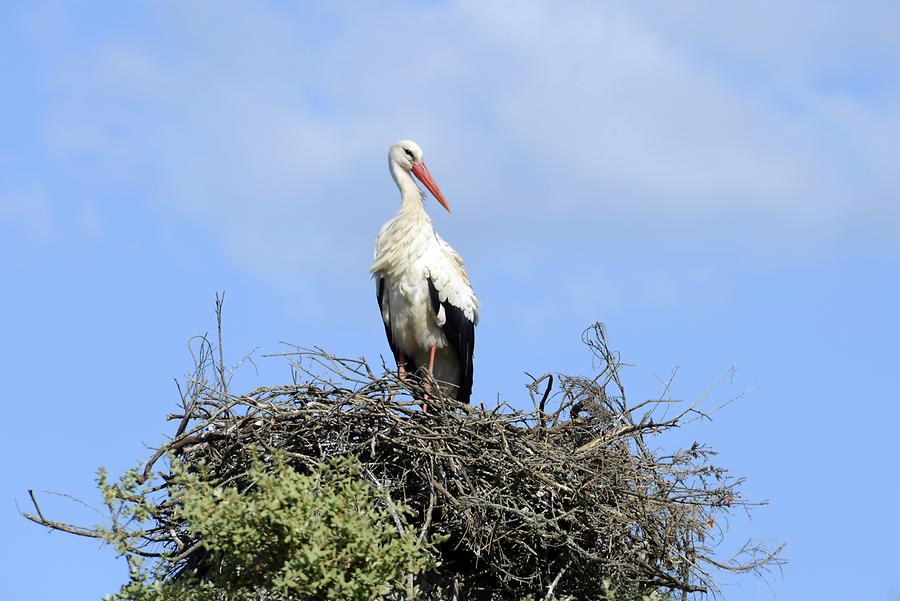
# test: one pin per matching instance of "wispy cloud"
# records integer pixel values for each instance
(27, 213)
(593, 116)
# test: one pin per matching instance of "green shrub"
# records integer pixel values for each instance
(325, 535)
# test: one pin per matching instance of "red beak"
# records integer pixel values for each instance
(421, 172)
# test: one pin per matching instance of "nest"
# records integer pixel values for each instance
(550, 501)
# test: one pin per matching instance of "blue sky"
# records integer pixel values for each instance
(719, 185)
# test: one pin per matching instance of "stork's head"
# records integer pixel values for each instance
(408, 156)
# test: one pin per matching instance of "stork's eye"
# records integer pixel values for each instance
(409, 154)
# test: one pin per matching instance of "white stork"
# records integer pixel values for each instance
(427, 303)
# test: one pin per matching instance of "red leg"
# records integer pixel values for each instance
(401, 371)
(431, 377)
(401, 366)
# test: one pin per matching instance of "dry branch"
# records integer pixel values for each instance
(555, 499)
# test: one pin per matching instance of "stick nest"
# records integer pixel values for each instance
(550, 501)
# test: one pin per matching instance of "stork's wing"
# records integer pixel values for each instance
(460, 333)
(385, 312)
(456, 310)
(448, 272)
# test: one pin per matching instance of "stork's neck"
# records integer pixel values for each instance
(410, 194)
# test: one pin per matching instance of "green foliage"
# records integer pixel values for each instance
(130, 508)
(285, 535)
(140, 588)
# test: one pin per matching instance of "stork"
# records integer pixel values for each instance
(427, 303)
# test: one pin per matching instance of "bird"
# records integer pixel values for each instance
(427, 303)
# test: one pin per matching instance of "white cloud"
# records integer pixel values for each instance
(271, 124)
(28, 213)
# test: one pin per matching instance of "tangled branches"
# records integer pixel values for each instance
(549, 502)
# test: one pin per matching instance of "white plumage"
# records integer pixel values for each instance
(427, 303)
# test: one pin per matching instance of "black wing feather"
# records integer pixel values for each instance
(409, 365)
(460, 333)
